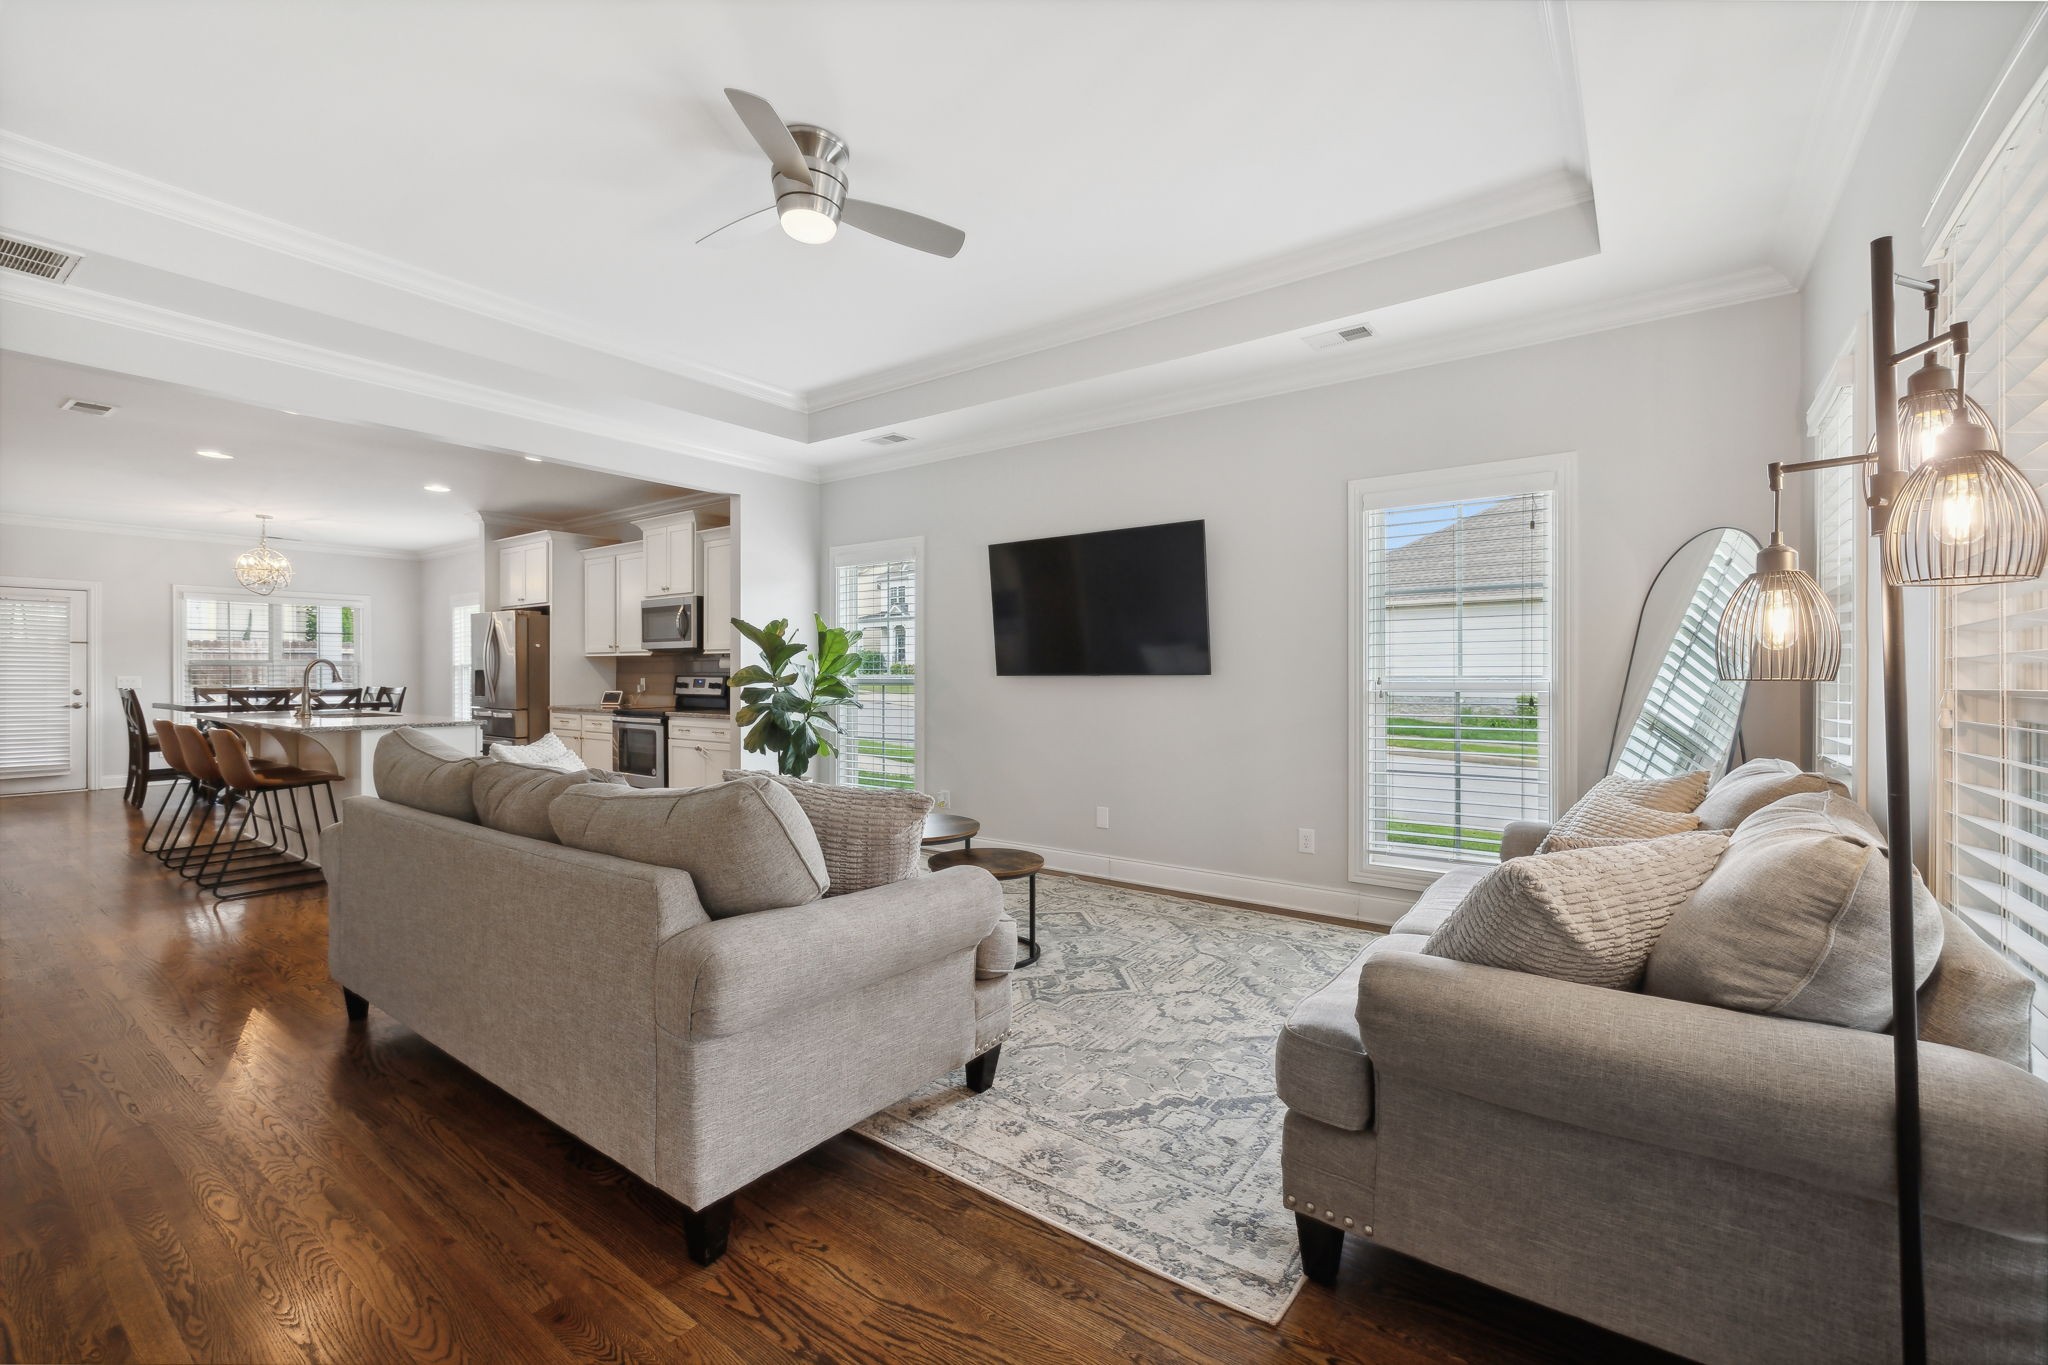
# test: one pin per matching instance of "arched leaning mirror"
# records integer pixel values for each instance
(1677, 715)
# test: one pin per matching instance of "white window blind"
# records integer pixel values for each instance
(459, 682)
(1458, 627)
(1689, 715)
(35, 686)
(875, 599)
(1838, 540)
(231, 641)
(1992, 827)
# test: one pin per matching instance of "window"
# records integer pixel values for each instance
(875, 598)
(1991, 826)
(460, 691)
(1839, 536)
(227, 639)
(1457, 671)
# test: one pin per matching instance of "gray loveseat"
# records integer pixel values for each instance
(1714, 1182)
(699, 1052)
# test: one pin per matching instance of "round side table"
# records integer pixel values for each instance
(1005, 865)
(944, 827)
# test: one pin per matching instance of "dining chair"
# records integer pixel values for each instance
(209, 696)
(142, 743)
(336, 698)
(389, 699)
(285, 871)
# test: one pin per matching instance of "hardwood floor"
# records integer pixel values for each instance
(201, 1159)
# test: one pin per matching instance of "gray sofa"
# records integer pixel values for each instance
(697, 1051)
(1717, 1183)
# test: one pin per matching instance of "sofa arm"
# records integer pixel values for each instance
(1808, 1101)
(737, 973)
(1520, 838)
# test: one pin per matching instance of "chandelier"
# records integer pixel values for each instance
(263, 570)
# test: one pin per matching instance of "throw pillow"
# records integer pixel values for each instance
(1588, 915)
(1796, 921)
(412, 768)
(871, 838)
(1742, 792)
(514, 798)
(546, 752)
(745, 844)
(1631, 808)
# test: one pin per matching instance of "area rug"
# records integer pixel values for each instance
(1134, 1103)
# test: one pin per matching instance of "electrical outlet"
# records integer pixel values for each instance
(945, 799)
(1102, 817)
(1305, 840)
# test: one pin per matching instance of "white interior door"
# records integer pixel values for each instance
(45, 664)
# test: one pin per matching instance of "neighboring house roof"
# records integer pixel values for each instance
(1491, 553)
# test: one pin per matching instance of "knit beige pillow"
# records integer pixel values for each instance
(1630, 808)
(1588, 915)
(871, 838)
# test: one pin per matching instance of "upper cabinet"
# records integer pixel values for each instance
(714, 579)
(523, 567)
(671, 545)
(614, 581)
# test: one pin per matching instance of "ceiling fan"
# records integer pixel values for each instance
(810, 190)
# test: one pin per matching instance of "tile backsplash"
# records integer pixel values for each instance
(655, 675)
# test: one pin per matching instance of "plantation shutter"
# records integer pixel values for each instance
(1839, 535)
(1992, 830)
(1689, 716)
(461, 614)
(875, 600)
(35, 686)
(1459, 606)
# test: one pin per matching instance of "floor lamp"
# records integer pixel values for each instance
(1947, 509)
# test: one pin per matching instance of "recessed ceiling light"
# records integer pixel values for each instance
(533, 459)
(213, 455)
(437, 488)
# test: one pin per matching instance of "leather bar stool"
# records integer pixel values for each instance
(269, 784)
(201, 859)
(184, 790)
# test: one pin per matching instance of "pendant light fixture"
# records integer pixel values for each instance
(1965, 515)
(1779, 625)
(263, 570)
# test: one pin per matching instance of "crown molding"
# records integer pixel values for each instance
(1492, 209)
(57, 166)
(585, 522)
(72, 301)
(2019, 84)
(460, 547)
(1864, 55)
(119, 528)
(1699, 296)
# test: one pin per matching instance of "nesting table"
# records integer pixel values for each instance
(1005, 865)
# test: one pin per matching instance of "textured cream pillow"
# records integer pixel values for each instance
(1630, 808)
(1748, 789)
(1589, 915)
(870, 837)
(546, 752)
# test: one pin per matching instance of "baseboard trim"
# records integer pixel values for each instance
(1370, 907)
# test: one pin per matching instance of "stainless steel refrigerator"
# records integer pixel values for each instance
(509, 675)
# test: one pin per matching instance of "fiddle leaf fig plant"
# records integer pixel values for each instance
(786, 701)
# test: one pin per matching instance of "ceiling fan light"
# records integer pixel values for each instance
(808, 225)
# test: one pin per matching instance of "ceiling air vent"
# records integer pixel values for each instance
(1323, 341)
(44, 262)
(86, 406)
(887, 438)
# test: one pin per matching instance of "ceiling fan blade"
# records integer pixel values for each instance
(905, 229)
(772, 133)
(746, 228)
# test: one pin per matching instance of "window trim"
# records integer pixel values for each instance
(873, 552)
(179, 592)
(1850, 365)
(1557, 473)
(458, 702)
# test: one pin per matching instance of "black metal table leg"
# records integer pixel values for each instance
(1029, 939)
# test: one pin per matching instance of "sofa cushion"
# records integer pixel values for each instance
(546, 752)
(414, 769)
(745, 844)
(1437, 900)
(1975, 999)
(1631, 808)
(1320, 1068)
(1742, 792)
(514, 798)
(871, 838)
(1795, 921)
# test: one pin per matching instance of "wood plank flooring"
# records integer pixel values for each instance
(201, 1160)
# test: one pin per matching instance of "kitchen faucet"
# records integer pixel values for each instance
(306, 687)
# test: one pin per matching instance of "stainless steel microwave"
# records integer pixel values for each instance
(670, 622)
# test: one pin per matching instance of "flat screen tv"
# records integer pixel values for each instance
(1134, 601)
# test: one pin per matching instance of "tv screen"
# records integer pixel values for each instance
(1109, 602)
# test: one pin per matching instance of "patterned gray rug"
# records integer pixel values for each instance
(1134, 1103)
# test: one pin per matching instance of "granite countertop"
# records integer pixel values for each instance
(329, 722)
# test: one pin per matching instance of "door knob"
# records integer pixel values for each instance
(78, 706)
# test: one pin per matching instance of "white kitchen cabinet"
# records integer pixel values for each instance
(671, 546)
(597, 740)
(699, 751)
(614, 581)
(524, 564)
(714, 553)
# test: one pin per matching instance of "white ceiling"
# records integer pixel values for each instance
(500, 215)
(323, 482)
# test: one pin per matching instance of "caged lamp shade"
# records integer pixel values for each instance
(1932, 404)
(1779, 626)
(1967, 515)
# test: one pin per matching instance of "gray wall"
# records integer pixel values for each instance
(1672, 421)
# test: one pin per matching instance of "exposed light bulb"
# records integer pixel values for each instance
(1959, 508)
(1777, 623)
(809, 226)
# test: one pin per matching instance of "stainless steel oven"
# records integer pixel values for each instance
(640, 747)
(670, 622)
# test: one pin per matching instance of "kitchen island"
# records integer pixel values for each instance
(338, 742)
